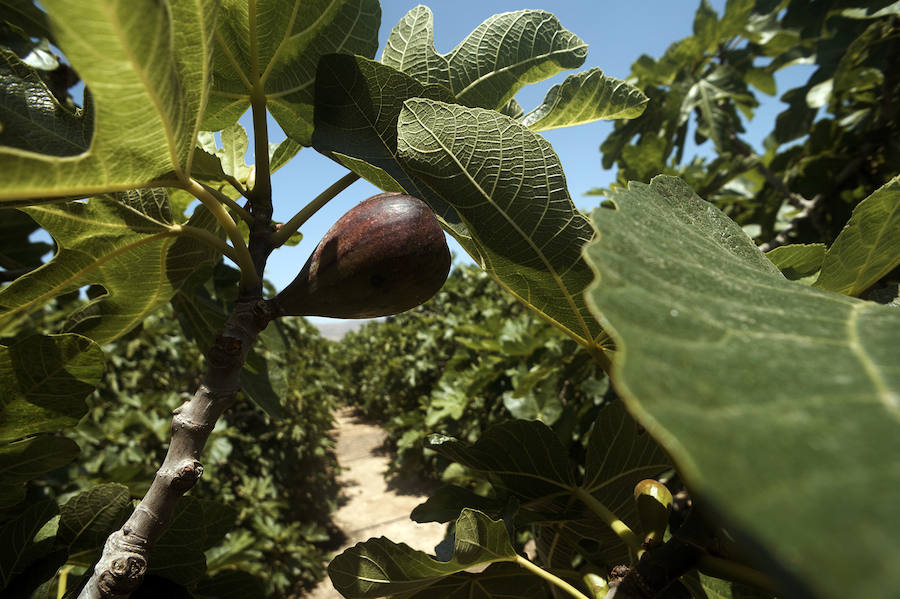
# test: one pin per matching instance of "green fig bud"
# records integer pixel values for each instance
(386, 255)
(654, 503)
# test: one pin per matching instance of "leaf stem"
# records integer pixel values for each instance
(729, 570)
(551, 578)
(238, 209)
(261, 194)
(293, 225)
(622, 530)
(249, 276)
(207, 238)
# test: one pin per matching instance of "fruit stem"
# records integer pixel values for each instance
(622, 530)
(238, 209)
(729, 570)
(551, 578)
(293, 225)
(249, 276)
(207, 238)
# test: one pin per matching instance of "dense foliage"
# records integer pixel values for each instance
(470, 357)
(834, 143)
(761, 382)
(277, 475)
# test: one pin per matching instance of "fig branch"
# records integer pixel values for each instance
(237, 208)
(293, 225)
(125, 557)
(250, 279)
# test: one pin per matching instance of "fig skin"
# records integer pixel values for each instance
(386, 255)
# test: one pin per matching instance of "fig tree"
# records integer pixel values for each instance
(386, 255)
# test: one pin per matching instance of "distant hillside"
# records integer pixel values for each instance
(336, 329)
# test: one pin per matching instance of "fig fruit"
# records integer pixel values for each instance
(386, 255)
(654, 504)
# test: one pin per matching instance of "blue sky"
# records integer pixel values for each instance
(617, 34)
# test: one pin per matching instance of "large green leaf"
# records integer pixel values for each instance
(89, 517)
(380, 567)
(771, 396)
(358, 102)
(503, 54)
(25, 460)
(45, 380)
(585, 97)
(868, 247)
(527, 460)
(509, 189)
(126, 244)
(146, 65)
(279, 45)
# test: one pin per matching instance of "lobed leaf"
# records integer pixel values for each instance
(124, 243)
(151, 83)
(282, 52)
(771, 396)
(869, 245)
(508, 188)
(503, 54)
(583, 98)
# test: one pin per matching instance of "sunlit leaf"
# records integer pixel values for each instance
(869, 245)
(358, 102)
(151, 83)
(503, 54)
(508, 187)
(770, 395)
(797, 261)
(288, 38)
(127, 245)
(585, 97)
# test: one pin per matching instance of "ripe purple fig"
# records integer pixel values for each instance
(386, 255)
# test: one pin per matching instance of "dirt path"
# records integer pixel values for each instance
(372, 509)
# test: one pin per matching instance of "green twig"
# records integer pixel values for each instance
(207, 238)
(249, 276)
(293, 225)
(729, 570)
(622, 530)
(238, 209)
(551, 578)
(237, 185)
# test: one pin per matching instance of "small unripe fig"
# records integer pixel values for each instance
(386, 255)
(654, 503)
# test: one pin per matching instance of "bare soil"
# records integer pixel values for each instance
(373, 507)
